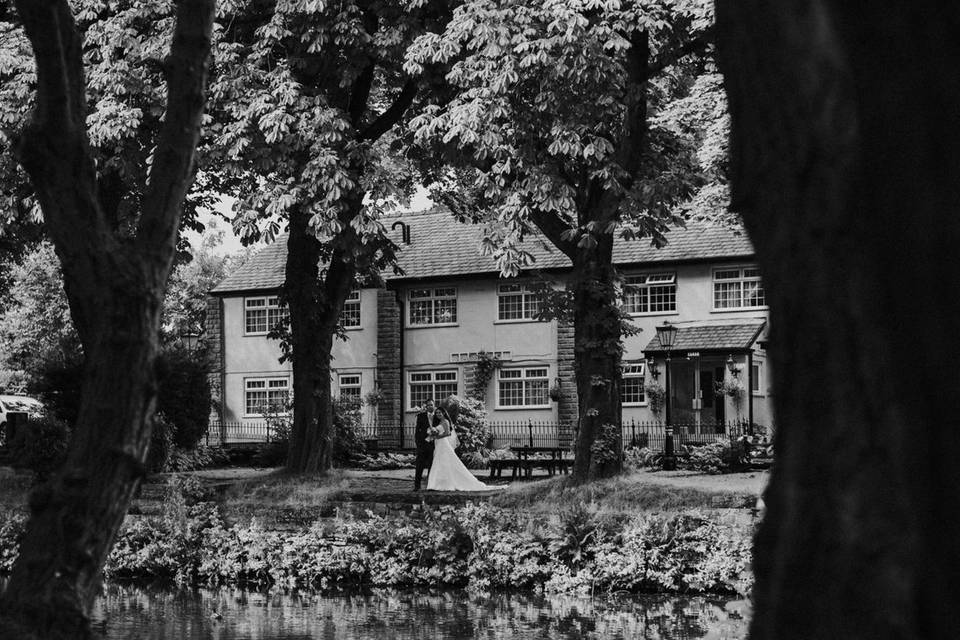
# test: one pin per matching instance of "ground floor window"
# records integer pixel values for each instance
(266, 395)
(349, 385)
(431, 385)
(631, 385)
(526, 387)
(755, 385)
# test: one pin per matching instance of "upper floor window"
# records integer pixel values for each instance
(261, 314)
(650, 293)
(737, 288)
(433, 306)
(265, 395)
(631, 385)
(350, 314)
(431, 385)
(349, 384)
(517, 302)
(523, 388)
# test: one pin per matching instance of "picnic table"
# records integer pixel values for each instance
(526, 458)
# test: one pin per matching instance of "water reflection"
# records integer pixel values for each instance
(226, 614)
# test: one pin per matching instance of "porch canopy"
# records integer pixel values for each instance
(728, 337)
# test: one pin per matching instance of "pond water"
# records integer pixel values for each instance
(156, 613)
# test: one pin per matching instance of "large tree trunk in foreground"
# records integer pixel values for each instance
(115, 287)
(845, 126)
(597, 348)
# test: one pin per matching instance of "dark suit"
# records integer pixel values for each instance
(424, 446)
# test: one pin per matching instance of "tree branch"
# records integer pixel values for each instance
(172, 171)
(553, 226)
(359, 94)
(392, 115)
(672, 56)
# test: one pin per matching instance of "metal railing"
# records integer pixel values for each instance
(526, 433)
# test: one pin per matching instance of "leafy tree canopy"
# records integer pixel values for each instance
(569, 107)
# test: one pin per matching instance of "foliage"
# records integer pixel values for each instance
(41, 445)
(469, 417)
(607, 445)
(161, 443)
(382, 461)
(641, 457)
(36, 332)
(714, 457)
(200, 457)
(373, 398)
(11, 531)
(484, 370)
(347, 439)
(655, 396)
(183, 393)
(476, 545)
(733, 389)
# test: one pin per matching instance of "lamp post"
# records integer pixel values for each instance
(667, 336)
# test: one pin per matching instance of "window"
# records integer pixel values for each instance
(517, 302)
(737, 288)
(260, 315)
(350, 315)
(349, 384)
(431, 385)
(631, 386)
(433, 306)
(528, 387)
(755, 379)
(266, 395)
(650, 293)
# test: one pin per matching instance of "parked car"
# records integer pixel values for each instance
(17, 404)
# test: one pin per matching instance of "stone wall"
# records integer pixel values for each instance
(567, 408)
(389, 378)
(213, 340)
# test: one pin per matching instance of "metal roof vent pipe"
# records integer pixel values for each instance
(404, 230)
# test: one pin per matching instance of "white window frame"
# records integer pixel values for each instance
(634, 283)
(269, 384)
(529, 297)
(429, 377)
(524, 378)
(353, 381)
(743, 281)
(270, 305)
(756, 380)
(434, 296)
(633, 371)
(352, 302)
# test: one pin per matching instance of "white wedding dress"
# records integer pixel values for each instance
(448, 473)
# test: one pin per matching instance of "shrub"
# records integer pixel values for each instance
(183, 393)
(161, 444)
(202, 457)
(41, 445)
(279, 419)
(347, 439)
(641, 457)
(470, 420)
(383, 461)
(715, 457)
(11, 532)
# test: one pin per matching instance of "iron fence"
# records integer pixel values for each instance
(504, 434)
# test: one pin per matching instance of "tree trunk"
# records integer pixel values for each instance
(597, 349)
(315, 302)
(76, 515)
(845, 125)
(115, 286)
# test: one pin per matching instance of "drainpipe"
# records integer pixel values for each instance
(402, 364)
(749, 391)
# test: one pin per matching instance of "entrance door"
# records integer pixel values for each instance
(714, 408)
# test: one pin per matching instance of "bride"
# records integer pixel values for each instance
(448, 473)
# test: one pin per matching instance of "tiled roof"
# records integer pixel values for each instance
(263, 270)
(441, 247)
(733, 336)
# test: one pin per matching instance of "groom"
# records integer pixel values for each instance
(427, 418)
